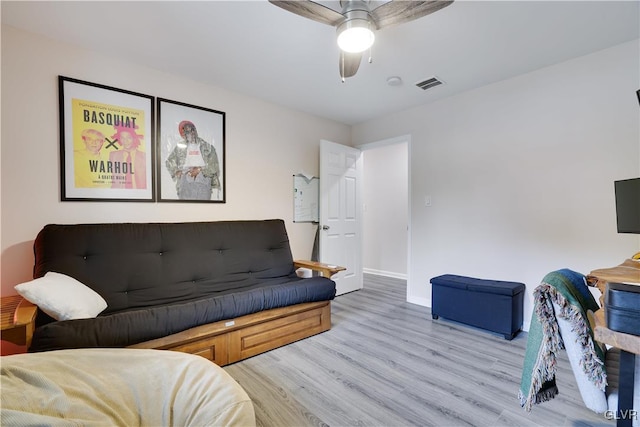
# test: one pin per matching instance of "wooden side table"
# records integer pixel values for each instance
(17, 317)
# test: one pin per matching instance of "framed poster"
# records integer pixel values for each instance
(106, 143)
(191, 153)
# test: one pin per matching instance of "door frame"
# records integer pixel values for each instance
(392, 141)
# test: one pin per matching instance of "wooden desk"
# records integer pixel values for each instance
(629, 345)
(628, 271)
(17, 320)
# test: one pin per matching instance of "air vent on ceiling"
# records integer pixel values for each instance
(429, 83)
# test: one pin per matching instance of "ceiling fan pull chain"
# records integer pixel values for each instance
(370, 55)
(342, 66)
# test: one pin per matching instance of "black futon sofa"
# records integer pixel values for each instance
(226, 290)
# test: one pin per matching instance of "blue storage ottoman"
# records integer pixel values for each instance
(488, 304)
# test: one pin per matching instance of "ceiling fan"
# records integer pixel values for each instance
(357, 22)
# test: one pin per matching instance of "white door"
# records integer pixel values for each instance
(340, 213)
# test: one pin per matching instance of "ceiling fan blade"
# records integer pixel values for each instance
(399, 11)
(311, 10)
(349, 64)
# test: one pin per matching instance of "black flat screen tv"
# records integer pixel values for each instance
(628, 205)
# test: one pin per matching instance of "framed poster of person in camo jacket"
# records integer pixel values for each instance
(191, 153)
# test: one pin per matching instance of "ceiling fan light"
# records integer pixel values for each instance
(355, 36)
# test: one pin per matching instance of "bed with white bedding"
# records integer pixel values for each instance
(119, 387)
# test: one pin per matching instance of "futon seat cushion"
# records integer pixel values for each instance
(479, 285)
(134, 326)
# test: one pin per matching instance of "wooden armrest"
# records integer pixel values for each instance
(25, 315)
(326, 270)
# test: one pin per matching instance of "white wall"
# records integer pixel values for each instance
(265, 146)
(385, 216)
(521, 173)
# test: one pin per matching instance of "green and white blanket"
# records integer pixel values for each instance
(568, 290)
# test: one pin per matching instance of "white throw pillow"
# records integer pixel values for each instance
(62, 297)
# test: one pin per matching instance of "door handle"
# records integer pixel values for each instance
(325, 227)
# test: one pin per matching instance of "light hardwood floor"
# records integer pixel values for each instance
(386, 363)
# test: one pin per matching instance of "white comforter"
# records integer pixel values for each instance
(120, 387)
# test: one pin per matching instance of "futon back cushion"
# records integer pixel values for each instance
(134, 265)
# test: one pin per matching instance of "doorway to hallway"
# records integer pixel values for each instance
(386, 207)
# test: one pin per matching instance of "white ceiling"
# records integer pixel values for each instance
(256, 48)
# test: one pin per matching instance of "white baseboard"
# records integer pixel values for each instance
(425, 302)
(385, 273)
